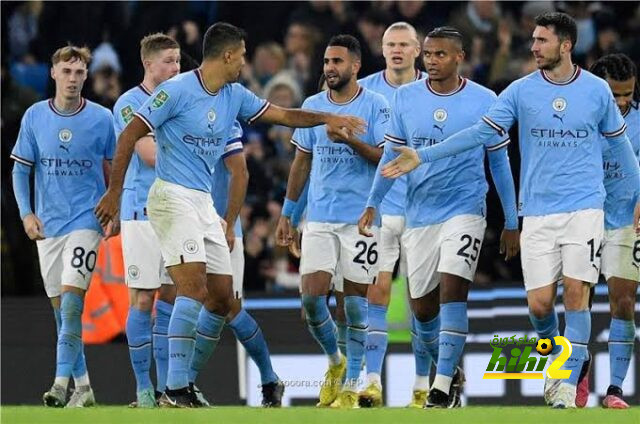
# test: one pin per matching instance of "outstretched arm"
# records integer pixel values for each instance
(108, 205)
(302, 118)
(503, 180)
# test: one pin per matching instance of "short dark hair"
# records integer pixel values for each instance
(220, 36)
(347, 41)
(618, 67)
(564, 26)
(449, 32)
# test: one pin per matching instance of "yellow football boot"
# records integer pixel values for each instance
(371, 397)
(332, 383)
(418, 399)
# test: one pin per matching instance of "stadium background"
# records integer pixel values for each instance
(285, 46)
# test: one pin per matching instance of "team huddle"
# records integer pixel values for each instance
(388, 172)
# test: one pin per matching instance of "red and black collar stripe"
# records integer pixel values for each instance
(384, 76)
(83, 103)
(355, 96)
(144, 89)
(198, 73)
(574, 76)
(461, 85)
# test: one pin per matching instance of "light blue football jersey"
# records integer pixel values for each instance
(457, 185)
(340, 178)
(560, 128)
(221, 176)
(394, 201)
(67, 152)
(191, 125)
(620, 202)
(139, 175)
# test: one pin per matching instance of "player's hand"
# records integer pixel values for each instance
(284, 232)
(345, 125)
(107, 208)
(509, 243)
(636, 217)
(112, 230)
(406, 162)
(33, 227)
(338, 137)
(230, 235)
(366, 221)
(294, 246)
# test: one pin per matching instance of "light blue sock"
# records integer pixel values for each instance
(342, 336)
(161, 342)
(250, 335)
(70, 337)
(208, 330)
(577, 330)
(182, 339)
(80, 367)
(428, 335)
(547, 328)
(621, 338)
(377, 338)
(320, 322)
(421, 355)
(139, 340)
(355, 308)
(454, 327)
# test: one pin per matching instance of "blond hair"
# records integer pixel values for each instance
(71, 53)
(154, 43)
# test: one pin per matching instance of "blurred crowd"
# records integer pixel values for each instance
(284, 62)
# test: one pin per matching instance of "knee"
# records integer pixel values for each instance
(379, 295)
(315, 307)
(144, 301)
(167, 293)
(622, 307)
(540, 308)
(356, 311)
(576, 296)
(218, 306)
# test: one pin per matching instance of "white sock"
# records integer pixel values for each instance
(421, 383)
(373, 377)
(334, 359)
(442, 383)
(83, 380)
(61, 381)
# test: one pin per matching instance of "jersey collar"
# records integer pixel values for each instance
(574, 76)
(198, 73)
(384, 77)
(355, 96)
(461, 85)
(144, 89)
(83, 103)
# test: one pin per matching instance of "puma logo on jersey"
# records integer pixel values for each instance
(441, 129)
(65, 148)
(81, 273)
(365, 268)
(559, 117)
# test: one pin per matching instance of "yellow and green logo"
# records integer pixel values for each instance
(521, 365)
(127, 114)
(160, 99)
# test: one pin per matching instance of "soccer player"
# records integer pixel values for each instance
(400, 48)
(562, 111)
(445, 204)
(340, 171)
(229, 187)
(191, 115)
(144, 269)
(621, 246)
(66, 140)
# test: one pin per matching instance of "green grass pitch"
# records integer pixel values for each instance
(308, 415)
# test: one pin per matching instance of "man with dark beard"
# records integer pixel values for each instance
(562, 112)
(340, 171)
